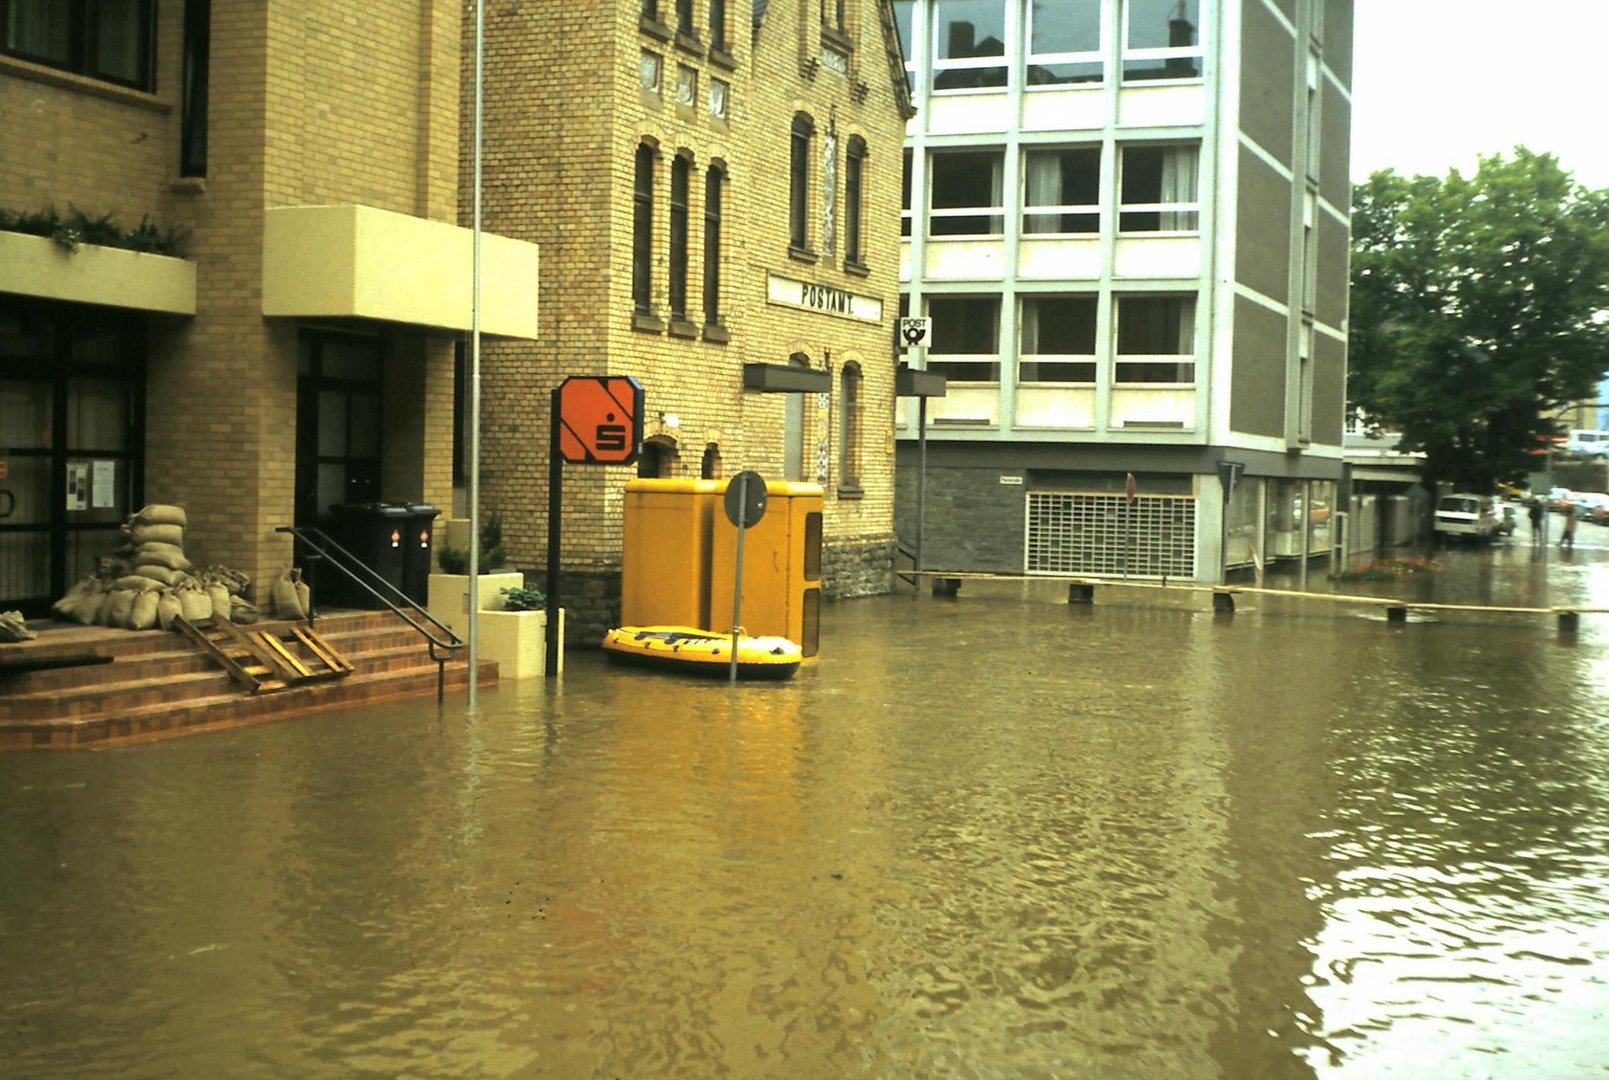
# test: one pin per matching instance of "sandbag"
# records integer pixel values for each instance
(120, 612)
(234, 580)
(287, 597)
(222, 605)
(156, 534)
(142, 616)
(103, 614)
(242, 611)
(159, 554)
(195, 604)
(162, 574)
(161, 514)
(84, 596)
(13, 628)
(167, 608)
(136, 583)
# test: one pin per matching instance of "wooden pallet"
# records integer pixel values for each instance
(266, 660)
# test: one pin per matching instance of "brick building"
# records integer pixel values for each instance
(300, 353)
(1129, 223)
(715, 189)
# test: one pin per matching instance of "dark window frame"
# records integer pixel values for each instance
(717, 17)
(854, 200)
(681, 172)
(713, 181)
(851, 408)
(79, 48)
(642, 230)
(801, 136)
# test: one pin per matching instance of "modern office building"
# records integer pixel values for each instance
(1128, 223)
(295, 349)
(715, 188)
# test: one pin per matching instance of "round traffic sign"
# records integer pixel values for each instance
(745, 498)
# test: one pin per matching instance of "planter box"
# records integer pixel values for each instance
(38, 266)
(517, 640)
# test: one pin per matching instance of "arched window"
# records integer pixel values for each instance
(710, 467)
(712, 245)
(680, 180)
(799, 182)
(642, 231)
(658, 457)
(854, 185)
(849, 410)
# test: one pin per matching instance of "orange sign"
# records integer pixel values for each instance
(600, 419)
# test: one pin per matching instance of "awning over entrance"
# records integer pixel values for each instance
(360, 262)
(786, 379)
(111, 277)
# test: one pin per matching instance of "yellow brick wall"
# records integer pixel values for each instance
(567, 117)
(310, 103)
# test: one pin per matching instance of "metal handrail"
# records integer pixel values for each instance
(325, 548)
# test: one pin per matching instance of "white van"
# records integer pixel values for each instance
(1587, 441)
(1465, 516)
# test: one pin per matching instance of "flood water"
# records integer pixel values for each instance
(994, 836)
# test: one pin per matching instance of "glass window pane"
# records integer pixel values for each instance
(965, 181)
(965, 324)
(969, 28)
(97, 414)
(1069, 26)
(119, 40)
(1059, 325)
(1063, 178)
(39, 28)
(1163, 24)
(363, 437)
(902, 23)
(331, 423)
(24, 416)
(1156, 325)
(357, 360)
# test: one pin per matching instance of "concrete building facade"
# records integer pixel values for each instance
(715, 187)
(1128, 221)
(296, 350)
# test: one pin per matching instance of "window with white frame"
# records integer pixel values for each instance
(1159, 189)
(1161, 39)
(966, 193)
(1062, 190)
(902, 24)
(966, 338)
(1156, 339)
(1064, 43)
(969, 44)
(1058, 339)
(905, 196)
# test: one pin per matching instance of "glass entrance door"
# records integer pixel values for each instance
(337, 423)
(70, 468)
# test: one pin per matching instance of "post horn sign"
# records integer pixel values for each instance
(600, 419)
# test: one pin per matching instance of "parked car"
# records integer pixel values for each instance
(1465, 516)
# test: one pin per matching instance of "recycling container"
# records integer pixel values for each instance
(373, 532)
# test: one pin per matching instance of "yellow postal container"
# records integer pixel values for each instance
(665, 561)
(781, 566)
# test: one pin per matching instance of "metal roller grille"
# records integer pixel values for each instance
(1089, 534)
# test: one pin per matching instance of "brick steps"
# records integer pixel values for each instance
(157, 685)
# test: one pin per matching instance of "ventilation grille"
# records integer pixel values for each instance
(1101, 535)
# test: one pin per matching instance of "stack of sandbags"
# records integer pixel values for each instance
(148, 581)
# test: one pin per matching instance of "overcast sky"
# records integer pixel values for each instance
(1437, 82)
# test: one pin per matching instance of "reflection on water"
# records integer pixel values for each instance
(990, 837)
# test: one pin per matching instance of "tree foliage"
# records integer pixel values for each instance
(1480, 309)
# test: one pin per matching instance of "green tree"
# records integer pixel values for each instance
(1480, 309)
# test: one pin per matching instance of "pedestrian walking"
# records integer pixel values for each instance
(1536, 520)
(1567, 538)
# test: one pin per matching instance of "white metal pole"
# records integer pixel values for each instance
(474, 377)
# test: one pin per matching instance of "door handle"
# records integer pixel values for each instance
(8, 503)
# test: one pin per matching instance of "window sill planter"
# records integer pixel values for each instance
(38, 266)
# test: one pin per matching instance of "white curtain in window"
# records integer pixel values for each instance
(1179, 179)
(1030, 328)
(1044, 189)
(1187, 327)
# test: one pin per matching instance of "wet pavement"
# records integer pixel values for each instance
(993, 836)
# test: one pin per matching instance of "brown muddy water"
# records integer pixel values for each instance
(995, 836)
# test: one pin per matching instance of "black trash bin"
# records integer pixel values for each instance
(376, 533)
(418, 550)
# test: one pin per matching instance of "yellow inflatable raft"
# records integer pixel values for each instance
(703, 652)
